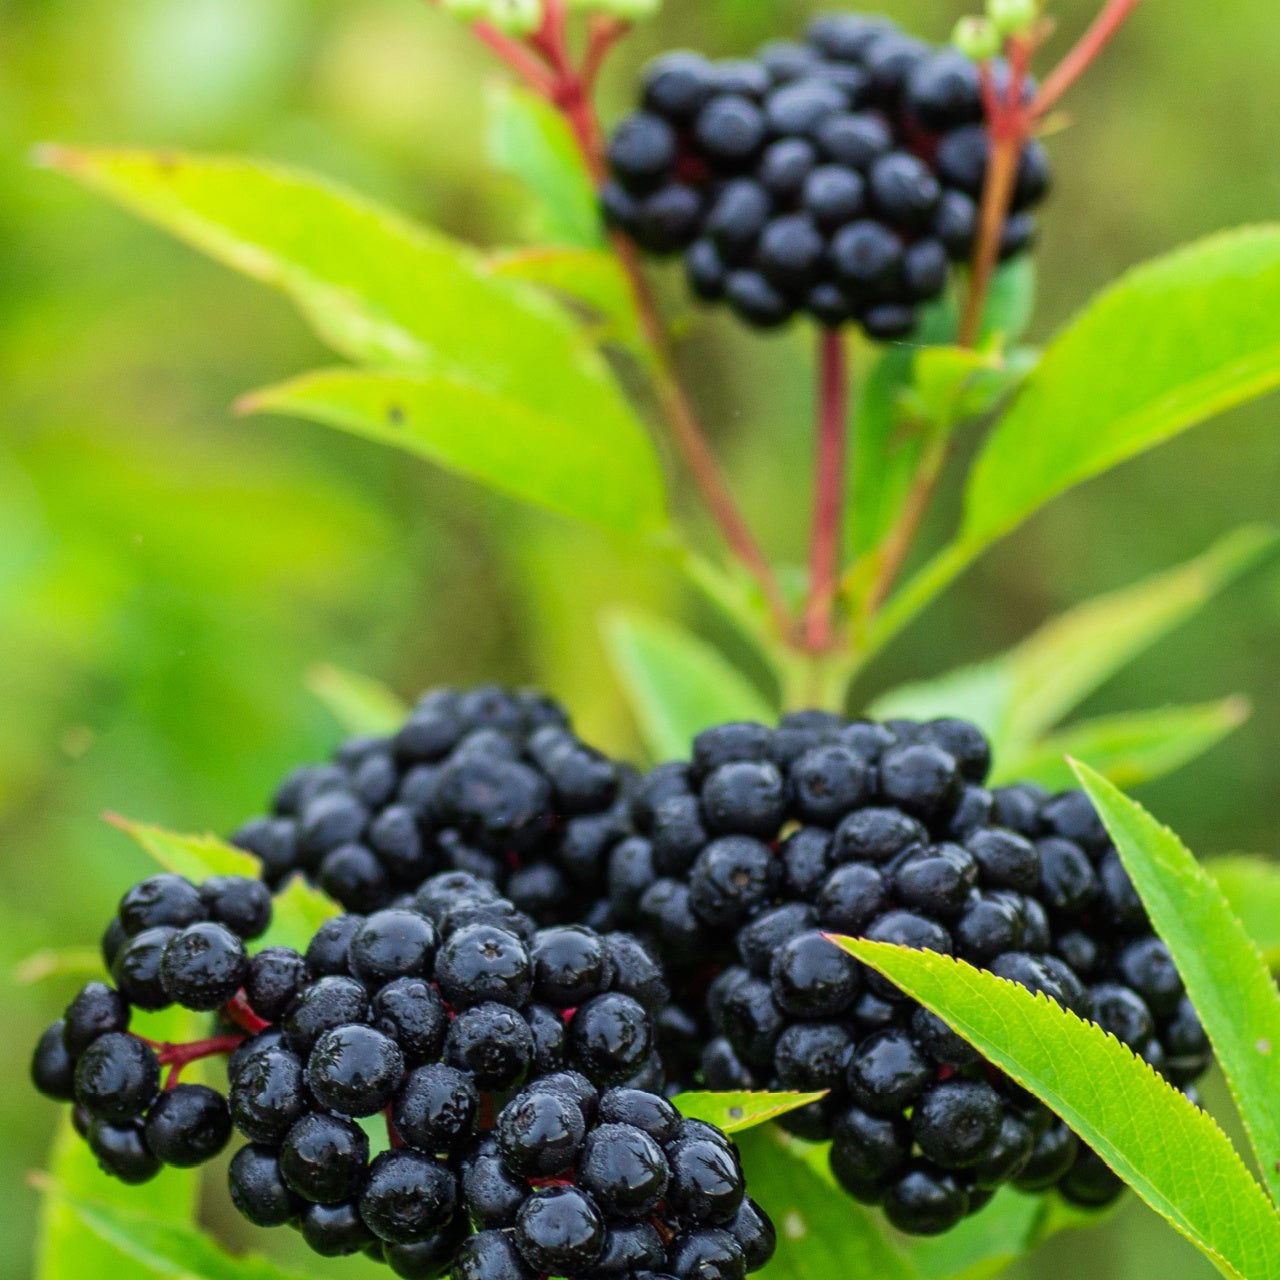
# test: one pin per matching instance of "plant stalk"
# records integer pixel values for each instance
(831, 465)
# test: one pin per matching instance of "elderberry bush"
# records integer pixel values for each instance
(838, 176)
(486, 781)
(768, 840)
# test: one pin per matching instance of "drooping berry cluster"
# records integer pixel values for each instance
(839, 176)
(573, 1182)
(769, 840)
(488, 781)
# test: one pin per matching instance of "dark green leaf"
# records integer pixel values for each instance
(1227, 980)
(1172, 1153)
(529, 139)
(735, 1112)
(678, 685)
(603, 472)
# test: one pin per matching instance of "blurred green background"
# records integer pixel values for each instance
(168, 574)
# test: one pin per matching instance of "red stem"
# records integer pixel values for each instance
(546, 65)
(238, 1011)
(1113, 16)
(393, 1134)
(828, 488)
(178, 1056)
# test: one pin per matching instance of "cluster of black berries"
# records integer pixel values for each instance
(490, 782)
(769, 840)
(839, 176)
(170, 943)
(574, 1182)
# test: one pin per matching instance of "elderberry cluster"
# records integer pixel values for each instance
(574, 1182)
(838, 176)
(769, 840)
(487, 781)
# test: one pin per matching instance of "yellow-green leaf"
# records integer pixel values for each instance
(1128, 749)
(358, 703)
(677, 684)
(298, 911)
(735, 1112)
(1172, 1153)
(195, 857)
(1227, 980)
(601, 472)
(1251, 886)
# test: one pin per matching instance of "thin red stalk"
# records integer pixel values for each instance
(1100, 33)
(393, 1134)
(603, 32)
(518, 57)
(828, 488)
(178, 1056)
(238, 1011)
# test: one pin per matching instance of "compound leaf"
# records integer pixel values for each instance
(195, 857)
(1251, 886)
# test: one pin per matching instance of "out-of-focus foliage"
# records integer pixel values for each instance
(169, 574)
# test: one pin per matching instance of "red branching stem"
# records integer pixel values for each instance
(178, 1056)
(238, 1011)
(544, 61)
(1086, 50)
(828, 488)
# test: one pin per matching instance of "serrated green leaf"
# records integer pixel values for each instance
(1127, 749)
(604, 473)
(162, 1247)
(590, 278)
(360, 704)
(195, 857)
(1019, 694)
(65, 1246)
(297, 912)
(822, 1234)
(1227, 980)
(677, 684)
(529, 139)
(378, 288)
(1251, 886)
(1172, 343)
(1171, 1152)
(736, 1112)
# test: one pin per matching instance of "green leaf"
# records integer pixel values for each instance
(822, 1234)
(163, 1247)
(1170, 1151)
(1016, 696)
(735, 1112)
(65, 1246)
(377, 287)
(677, 684)
(195, 857)
(1251, 886)
(604, 473)
(297, 912)
(1127, 749)
(529, 139)
(358, 703)
(1227, 980)
(1172, 343)
(58, 962)
(591, 279)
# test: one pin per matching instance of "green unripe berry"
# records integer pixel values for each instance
(516, 17)
(977, 38)
(1012, 17)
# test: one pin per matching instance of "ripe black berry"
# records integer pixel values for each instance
(925, 1201)
(275, 977)
(267, 1095)
(258, 1189)
(407, 1197)
(188, 1125)
(491, 1042)
(53, 1069)
(624, 1170)
(244, 906)
(161, 901)
(559, 1231)
(541, 1132)
(122, 1151)
(117, 1077)
(203, 966)
(813, 978)
(436, 1108)
(354, 1070)
(490, 1255)
(323, 1158)
(610, 1038)
(95, 1011)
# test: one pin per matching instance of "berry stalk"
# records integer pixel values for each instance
(545, 63)
(828, 489)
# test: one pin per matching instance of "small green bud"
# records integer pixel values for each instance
(515, 17)
(977, 38)
(1013, 17)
